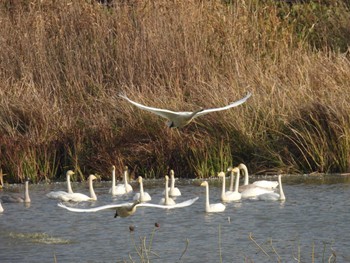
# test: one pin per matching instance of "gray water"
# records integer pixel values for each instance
(312, 223)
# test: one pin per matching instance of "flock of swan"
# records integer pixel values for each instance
(259, 190)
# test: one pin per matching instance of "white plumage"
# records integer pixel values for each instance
(59, 194)
(166, 200)
(128, 206)
(181, 119)
(274, 196)
(211, 208)
(142, 196)
(78, 197)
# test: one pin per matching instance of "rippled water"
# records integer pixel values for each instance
(315, 217)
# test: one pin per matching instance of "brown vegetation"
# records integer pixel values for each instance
(62, 64)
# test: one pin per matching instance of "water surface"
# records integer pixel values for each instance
(314, 217)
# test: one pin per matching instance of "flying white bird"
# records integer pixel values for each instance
(127, 209)
(179, 119)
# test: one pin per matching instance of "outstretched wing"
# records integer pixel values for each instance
(231, 105)
(179, 205)
(114, 206)
(168, 114)
(94, 209)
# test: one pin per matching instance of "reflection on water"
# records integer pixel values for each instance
(314, 218)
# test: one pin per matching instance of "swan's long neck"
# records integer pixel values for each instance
(223, 189)
(237, 181)
(92, 192)
(166, 191)
(172, 184)
(126, 180)
(1, 208)
(246, 175)
(231, 181)
(282, 196)
(26, 194)
(132, 208)
(114, 190)
(69, 186)
(1, 179)
(207, 205)
(141, 190)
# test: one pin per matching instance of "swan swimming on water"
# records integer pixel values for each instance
(78, 197)
(235, 195)
(166, 200)
(113, 189)
(211, 208)
(227, 195)
(58, 194)
(127, 209)
(173, 191)
(142, 196)
(274, 196)
(123, 188)
(181, 119)
(16, 198)
(262, 183)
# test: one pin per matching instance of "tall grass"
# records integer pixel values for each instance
(62, 64)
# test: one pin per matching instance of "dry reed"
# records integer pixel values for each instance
(62, 64)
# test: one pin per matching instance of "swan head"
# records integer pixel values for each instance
(126, 170)
(113, 167)
(242, 166)
(92, 177)
(139, 179)
(205, 183)
(221, 174)
(166, 178)
(235, 170)
(69, 173)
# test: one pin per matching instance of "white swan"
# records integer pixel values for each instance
(211, 208)
(127, 209)
(181, 119)
(1, 208)
(227, 196)
(166, 200)
(262, 183)
(142, 196)
(78, 197)
(58, 194)
(125, 187)
(17, 198)
(173, 191)
(235, 195)
(254, 191)
(113, 189)
(274, 196)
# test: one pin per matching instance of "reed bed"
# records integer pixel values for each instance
(63, 63)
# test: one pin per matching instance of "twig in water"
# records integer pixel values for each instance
(220, 243)
(183, 253)
(252, 239)
(274, 250)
